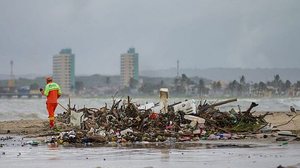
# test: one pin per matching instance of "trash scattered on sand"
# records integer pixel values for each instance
(32, 143)
(126, 121)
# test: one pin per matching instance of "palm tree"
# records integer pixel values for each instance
(202, 90)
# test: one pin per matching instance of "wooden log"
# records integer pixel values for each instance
(207, 106)
(223, 102)
(98, 138)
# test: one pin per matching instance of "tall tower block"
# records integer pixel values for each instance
(64, 70)
(129, 67)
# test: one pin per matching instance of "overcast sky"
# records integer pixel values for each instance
(198, 33)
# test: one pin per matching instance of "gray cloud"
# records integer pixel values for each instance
(201, 34)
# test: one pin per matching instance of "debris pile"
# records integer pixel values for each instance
(232, 121)
(183, 121)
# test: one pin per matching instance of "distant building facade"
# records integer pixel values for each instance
(129, 67)
(64, 70)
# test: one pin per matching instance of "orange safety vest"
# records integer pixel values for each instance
(53, 92)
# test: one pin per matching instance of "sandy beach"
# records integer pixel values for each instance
(285, 121)
(23, 127)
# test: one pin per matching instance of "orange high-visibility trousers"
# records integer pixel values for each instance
(51, 109)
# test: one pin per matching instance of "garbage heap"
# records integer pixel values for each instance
(126, 121)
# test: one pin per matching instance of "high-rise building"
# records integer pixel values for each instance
(129, 67)
(64, 70)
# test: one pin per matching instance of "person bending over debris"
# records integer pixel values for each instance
(53, 92)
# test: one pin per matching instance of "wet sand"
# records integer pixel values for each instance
(206, 153)
(248, 152)
(23, 127)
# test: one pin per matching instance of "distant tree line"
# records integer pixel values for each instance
(186, 86)
(97, 85)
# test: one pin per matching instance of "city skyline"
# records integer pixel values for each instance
(200, 34)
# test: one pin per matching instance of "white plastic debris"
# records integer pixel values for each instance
(188, 107)
(76, 118)
(195, 119)
(124, 132)
(146, 106)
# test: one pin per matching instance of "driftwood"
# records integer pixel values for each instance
(287, 121)
(126, 123)
(206, 106)
(230, 122)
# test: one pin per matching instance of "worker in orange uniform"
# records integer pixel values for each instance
(53, 92)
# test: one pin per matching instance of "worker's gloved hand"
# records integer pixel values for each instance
(41, 89)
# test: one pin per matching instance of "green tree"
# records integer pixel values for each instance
(178, 85)
(276, 78)
(182, 83)
(287, 85)
(278, 84)
(79, 85)
(234, 88)
(202, 90)
(34, 86)
(107, 80)
(297, 84)
(277, 81)
(262, 86)
(216, 86)
(243, 80)
(147, 88)
(133, 83)
(244, 86)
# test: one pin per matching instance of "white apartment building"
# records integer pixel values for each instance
(129, 67)
(64, 70)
